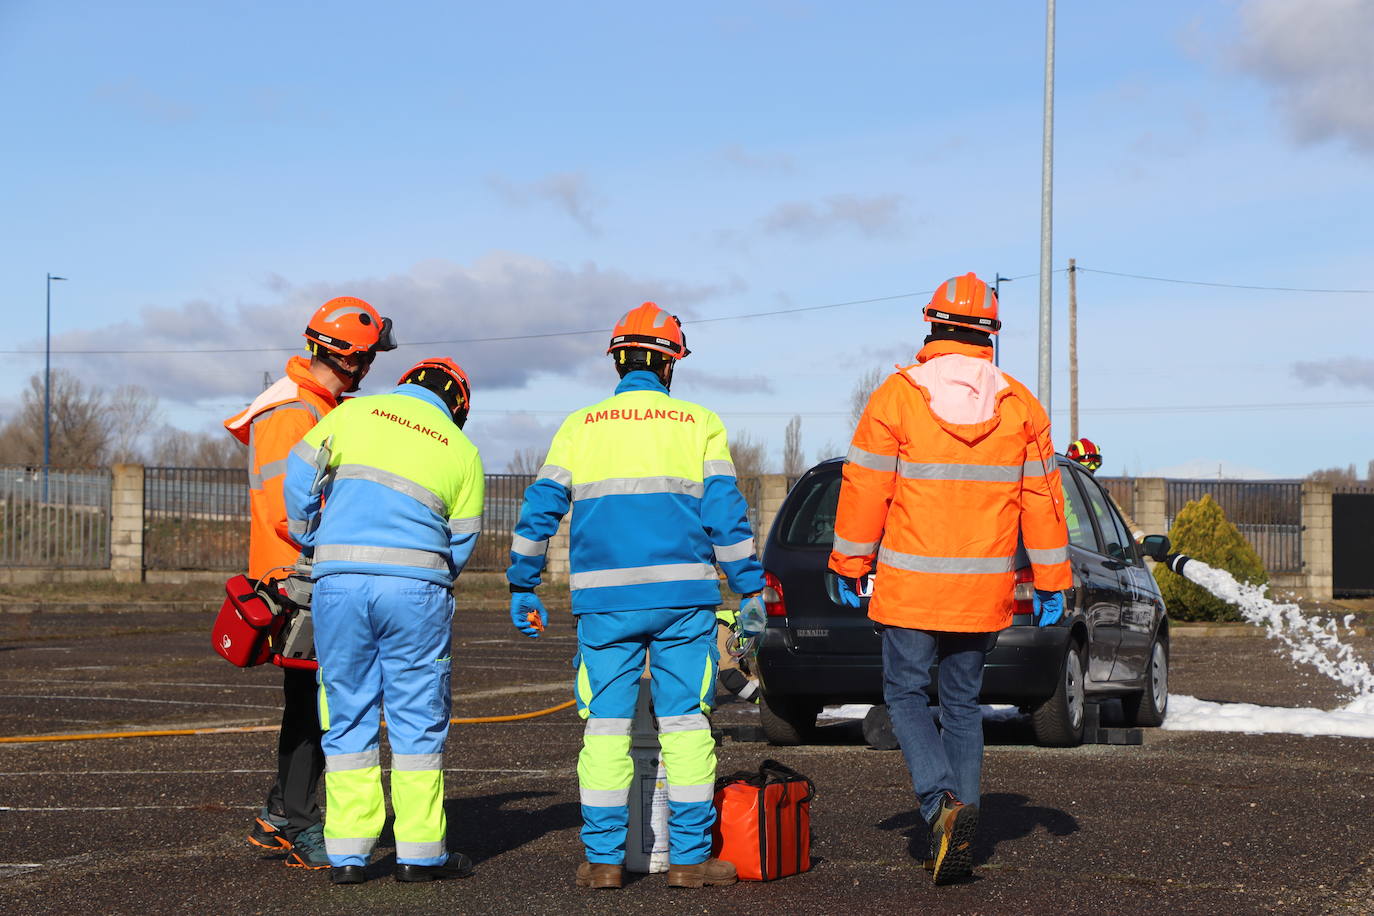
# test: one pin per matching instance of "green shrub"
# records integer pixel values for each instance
(1201, 531)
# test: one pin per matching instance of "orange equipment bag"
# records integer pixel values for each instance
(246, 625)
(763, 822)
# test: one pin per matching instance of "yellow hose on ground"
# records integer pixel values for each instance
(244, 729)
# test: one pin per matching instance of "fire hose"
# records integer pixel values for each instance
(245, 729)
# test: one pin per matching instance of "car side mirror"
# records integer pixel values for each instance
(1155, 546)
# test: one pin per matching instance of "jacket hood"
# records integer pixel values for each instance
(282, 391)
(962, 387)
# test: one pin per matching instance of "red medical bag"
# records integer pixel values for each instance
(246, 626)
(763, 822)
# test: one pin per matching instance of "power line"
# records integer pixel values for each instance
(507, 338)
(1279, 289)
(696, 321)
(1143, 409)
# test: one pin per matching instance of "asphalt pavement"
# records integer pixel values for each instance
(1188, 822)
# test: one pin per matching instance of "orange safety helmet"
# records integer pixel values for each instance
(965, 302)
(1086, 453)
(446, 379)
(648, 327)
(348, 325)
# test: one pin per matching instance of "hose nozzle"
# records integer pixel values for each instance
(1176, 561)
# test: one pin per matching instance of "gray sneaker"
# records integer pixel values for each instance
(307, 849)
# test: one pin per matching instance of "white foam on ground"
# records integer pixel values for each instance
(1308, 641)
(1191, 714)
(859, 710)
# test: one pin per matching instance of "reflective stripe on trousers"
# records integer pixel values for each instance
(384, 639)
(682, 658)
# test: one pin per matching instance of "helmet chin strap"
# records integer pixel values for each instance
(355, 376)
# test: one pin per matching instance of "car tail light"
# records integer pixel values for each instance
(1024, 592)
(772, 596)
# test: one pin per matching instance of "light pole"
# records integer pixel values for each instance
(1046, 199)
(47, 384)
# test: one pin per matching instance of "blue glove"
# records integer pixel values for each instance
(1048, 607)
(844, 588)
(752, 617)
(528, 614)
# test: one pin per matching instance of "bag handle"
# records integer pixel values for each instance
(772, 771)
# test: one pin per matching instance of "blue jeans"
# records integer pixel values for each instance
(951, 759)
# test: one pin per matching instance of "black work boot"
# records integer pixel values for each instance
(347, 874)
(456, 865)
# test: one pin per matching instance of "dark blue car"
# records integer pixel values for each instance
(1112, 641)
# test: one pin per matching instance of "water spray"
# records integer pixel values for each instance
(1309, 641)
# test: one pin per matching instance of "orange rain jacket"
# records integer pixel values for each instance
(951, 460)
(272, 424)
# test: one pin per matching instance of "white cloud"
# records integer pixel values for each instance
(1210, 469)
(500, 295)
(1350, 371)
(498, 435)
(871, 217)
(569, 192)
(147, 104)
(1315, 55)
(772, 163)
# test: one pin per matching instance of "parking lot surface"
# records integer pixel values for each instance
(1188, 822)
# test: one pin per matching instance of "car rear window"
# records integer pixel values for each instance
(810, 517)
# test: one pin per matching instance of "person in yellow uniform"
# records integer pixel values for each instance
(655, 507)
(401, 491)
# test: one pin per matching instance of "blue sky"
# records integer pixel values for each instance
(206, 175)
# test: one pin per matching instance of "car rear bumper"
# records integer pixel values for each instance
(1024, 666)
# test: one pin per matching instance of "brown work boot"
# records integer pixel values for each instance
(951, 838)
(711, 873)
(599, 874)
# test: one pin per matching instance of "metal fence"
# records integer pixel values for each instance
(500, 512)
(1267, 512)
(55, 519)
(195, 518)
(1122, 491)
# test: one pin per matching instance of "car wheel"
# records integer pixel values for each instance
(1058, 721)
(787, 720)
(1151, 705)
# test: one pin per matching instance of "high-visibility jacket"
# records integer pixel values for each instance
(951, 460)
(402, 490)
(270, 426)
(655, 505)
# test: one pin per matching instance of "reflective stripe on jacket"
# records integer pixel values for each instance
(403, 492)
(270, 426)
(951, 460)
(654, 500)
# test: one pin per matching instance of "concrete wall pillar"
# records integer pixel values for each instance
(556, 564)
(1317, 566)
(772, 491)
(1151, 511)
(126, 522)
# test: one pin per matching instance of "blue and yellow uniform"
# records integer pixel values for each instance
(402, 510)
(655, 508)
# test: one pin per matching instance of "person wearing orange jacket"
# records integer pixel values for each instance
(951, 463)
(343, 337)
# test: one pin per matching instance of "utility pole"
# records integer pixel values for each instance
(1046, 219)
(47, 385)
(1073, 351)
